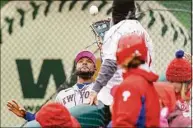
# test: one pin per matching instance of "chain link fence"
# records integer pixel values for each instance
(39, 41)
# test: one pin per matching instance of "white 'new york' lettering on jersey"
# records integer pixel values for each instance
(109, 49)
(74, 96)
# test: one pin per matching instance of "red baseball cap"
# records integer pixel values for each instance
(129, 46)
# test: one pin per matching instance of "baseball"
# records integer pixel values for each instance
(93, 10)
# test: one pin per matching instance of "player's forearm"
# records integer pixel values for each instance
(107, 71)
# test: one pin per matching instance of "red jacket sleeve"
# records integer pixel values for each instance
(127, 106)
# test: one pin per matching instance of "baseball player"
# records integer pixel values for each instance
(76, 95)
(136, 102)
(124, 22)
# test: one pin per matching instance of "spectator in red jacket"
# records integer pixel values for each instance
(167, 101)
(166, 95)
(179, 74)
(136, 103)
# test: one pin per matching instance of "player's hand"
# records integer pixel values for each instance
(16, 109)
(93, 98)
(188, 57)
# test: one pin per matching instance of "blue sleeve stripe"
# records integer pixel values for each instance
(141, 118)
(29, 116)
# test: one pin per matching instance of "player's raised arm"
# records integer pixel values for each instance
(19, 111)
(123, 21)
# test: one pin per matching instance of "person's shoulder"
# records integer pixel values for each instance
(134, 81)
(109, 32)
(91, 84)
(133, 78)
(111, 35)
(66, 91)
(114, 29)
(129, 26)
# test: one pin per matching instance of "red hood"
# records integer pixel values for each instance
(149, 76)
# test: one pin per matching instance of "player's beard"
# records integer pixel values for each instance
(85, 74)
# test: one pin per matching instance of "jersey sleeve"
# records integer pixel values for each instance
(110, 43)
(108, 69)
(58, 99)
(62, 94)
(149, 46)
(29, 116)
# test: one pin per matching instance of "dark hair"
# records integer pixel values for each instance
(123, 9)
(135, 62)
